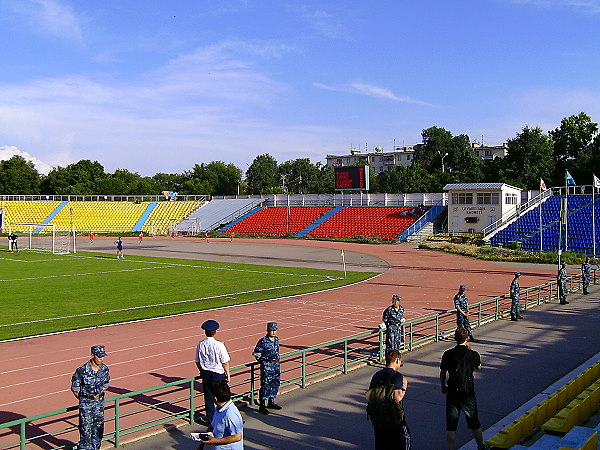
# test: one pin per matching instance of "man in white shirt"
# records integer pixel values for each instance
(212, 361)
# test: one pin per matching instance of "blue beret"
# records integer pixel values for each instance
(272, 326)
(98, 350)
(462, 287)
(517, 274)
(564, 264)
(210, 325)
(396, 298)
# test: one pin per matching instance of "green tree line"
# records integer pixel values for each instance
(532, 154)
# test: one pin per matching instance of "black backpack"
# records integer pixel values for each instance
(463, 376)
(382, 409)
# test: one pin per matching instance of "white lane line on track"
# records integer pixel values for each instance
(317, 329)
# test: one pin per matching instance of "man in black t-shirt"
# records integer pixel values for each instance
(460, 393)
(398, 437)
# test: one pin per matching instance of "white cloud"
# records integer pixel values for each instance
(370, 91)
(8, 151)
(48, 16)
(584, 6)
(204, 106)
(325, 23)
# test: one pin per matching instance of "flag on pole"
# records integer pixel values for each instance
(570, 180)
(542, 185)
(596, 182)
(342, 253)
(344, 261)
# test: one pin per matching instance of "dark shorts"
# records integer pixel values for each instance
(455, 403)
(395, 439)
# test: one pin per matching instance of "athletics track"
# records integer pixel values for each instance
(35, 373)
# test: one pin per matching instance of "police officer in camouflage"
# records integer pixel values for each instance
(461, 303)
(393, 318)
(586, 271)
(88, 384)
(267, 353)
(515, 304)
(561, 279)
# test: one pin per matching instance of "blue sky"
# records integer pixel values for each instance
(157, 86)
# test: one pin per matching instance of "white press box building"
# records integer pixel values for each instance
(474, 206)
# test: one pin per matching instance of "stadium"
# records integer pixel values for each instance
(299, 225)
(200, 258)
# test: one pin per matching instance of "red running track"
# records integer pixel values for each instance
(35, 373)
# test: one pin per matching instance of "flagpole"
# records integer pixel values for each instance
(566, 212)
(541, 237)
(593, 216)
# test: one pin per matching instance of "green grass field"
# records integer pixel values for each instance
(44, 293)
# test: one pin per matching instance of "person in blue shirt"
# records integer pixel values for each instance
(88, 384)
(119, 244)
(267, 353)
(227, 426)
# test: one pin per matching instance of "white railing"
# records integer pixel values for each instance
(521, 209)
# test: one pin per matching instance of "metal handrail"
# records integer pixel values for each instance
(420, 222)
(354, 350)
(519, 210)
(234, 215)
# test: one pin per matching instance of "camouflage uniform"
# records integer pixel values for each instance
(515, 293)
(392, 318)
(561, 278)
(586, 271)
(91, 385)
(267, 352)
(462, 321)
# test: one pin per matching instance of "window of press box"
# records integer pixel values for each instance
(488, 198)
(510, 199)
(462, 198)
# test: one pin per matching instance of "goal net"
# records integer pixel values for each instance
(45, 237)
(188, 226)
(161, 227)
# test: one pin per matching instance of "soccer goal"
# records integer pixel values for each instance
(188, 226)
(45, 237)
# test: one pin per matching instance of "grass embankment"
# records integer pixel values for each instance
(504, 254)
(44, 293)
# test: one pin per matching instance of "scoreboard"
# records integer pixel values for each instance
(351, 178)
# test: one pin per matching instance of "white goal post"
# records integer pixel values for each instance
(42, 237)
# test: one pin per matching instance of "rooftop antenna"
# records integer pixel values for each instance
(482, 140)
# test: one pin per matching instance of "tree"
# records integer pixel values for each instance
(18, 176)
(215, 178)
(300, 175)
(324, 180)
(169, 181)
(575, 147)
(530, 157)
(262, 175)
(81, 178)
(439, 145)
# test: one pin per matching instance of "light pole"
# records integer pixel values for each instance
(442, 156)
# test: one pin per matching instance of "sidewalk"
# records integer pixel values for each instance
(519, 361)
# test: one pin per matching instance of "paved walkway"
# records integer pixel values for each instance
(519, 360)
